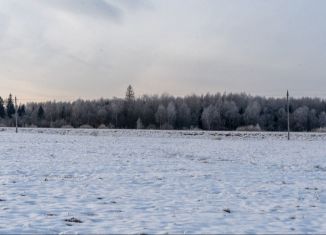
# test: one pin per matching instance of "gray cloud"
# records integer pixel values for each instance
(91, 48)
(109, 9)
(133, 4)
(94, 8)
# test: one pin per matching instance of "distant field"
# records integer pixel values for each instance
(128, 181)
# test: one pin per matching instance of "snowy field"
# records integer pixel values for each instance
(107, 181)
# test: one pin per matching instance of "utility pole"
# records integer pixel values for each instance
(288, 110)
(16, 115)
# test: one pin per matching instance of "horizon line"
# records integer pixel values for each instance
(73, 98)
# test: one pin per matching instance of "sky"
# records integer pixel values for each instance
(69, 49)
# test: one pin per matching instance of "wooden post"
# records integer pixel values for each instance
(288, 111)
(16, 115)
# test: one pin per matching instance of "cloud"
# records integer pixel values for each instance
(63, 45)
(107, 9)
(133, 4)
(93, 8)
(94, 48)
(3, 25)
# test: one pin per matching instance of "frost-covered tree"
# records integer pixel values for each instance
(313, 121)
(50, 113)
(322, 119)
(230, 115)
(140, 124)
(160, 115)
(78, 113)
(210, 111)
(116, 108)
(301, 117)
(207, 118)
(194, 103)
(102, 115)
(183, 116)
(211, 118)
(252, 113)
(171, 114)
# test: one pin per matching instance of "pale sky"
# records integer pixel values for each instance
(67, 49)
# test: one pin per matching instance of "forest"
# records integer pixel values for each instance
(208, 112)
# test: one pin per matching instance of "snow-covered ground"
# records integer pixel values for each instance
(108, 181)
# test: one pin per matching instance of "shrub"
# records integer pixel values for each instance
(249, 128)
(321, 130)
(67, 127)
(102, 126)
(86, 126)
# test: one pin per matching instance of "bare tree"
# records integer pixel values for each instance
(212, 112)
(116, 108)
(160, 115)
(171, 114)
(300, 117)
(211, 117)
(322, 119)
(252, 113)
(140, 124)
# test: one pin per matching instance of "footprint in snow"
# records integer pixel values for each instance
(50, 214)
(309, 188)
(73, 220)
(227, 210)
(320, 168)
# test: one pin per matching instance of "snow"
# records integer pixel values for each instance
(127, 181)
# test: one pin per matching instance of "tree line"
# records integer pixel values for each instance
(208, 112)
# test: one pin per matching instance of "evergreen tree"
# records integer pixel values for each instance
(21, 110)
(2, 109)
(130, 94)
(40, 113)
(129, 108)
(10, 107)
